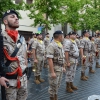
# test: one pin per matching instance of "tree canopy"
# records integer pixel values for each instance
(80, 14)
(9, 4)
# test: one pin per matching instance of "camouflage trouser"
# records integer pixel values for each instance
(98, 58)
(54, 83)
(12, 93)
(86, 64)
(39, 68)
(70, 73)
(93, 62)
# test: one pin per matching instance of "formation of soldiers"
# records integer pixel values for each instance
(64, 54)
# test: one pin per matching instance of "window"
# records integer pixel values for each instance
(29, 1)
(17, 1)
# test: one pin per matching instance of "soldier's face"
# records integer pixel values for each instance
(61, 38)
(93, 39)
(47, 36)
(40, 37)
(73, 36)
(87, 34)
(34, 36)
(12, 21)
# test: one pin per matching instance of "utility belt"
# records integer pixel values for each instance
(71, 56)
(41, 54)
(88, 51)
(15, 76)
(57, 64)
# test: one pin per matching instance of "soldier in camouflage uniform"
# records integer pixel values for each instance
(93, 54)
(17, 78)
(32, 40)
(55, 56)
(78, 44)
(97, 42)
(85, 51)
(66, 38)
(77, 41)
(46, 43)
(71, 57)
(38, 50)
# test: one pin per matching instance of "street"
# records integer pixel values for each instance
(85, 88)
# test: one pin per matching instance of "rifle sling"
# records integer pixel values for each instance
(15, 51)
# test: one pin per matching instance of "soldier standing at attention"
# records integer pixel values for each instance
(77, 41)
(31, 41)
(55, 56)
(93, 54)
(85, 48)
(38, 50)
(46, 40)
(30, 48)
(97, 42)
(46, 43)
(17, 77)
(71, 57)
(66, 38)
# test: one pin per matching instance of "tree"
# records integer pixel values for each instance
(8, 4)
(73, 12)
(46, 12)
(90, 19)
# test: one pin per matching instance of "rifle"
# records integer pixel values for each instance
(2, 65)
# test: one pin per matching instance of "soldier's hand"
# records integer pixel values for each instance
(68, 64)
(83, 57)
(53, 75)
(64, 70)
(3, 81)
(35, 61)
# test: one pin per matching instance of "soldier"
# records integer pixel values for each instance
(97, 42)
(77, 41)
(38, 50)
(46, 40)
(93, 54)
(85, 48)
(31, 41)
(46, 43)
(16, 74)
(55, 56)
(30, 48)
(66, 38)
(71, 57)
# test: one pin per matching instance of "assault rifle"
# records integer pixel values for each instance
(2, 65)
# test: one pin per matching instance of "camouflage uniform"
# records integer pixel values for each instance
(79, 58)
(12, 92)
(30, 43)
(46, 43)
(97, 42)
(72, 48)
(40, 51)
(93, 54)
(85, 44)
(78, 43)
(57, 54)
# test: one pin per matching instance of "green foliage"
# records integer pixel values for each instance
(80, 14)
(8, 4)
(46, 12)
